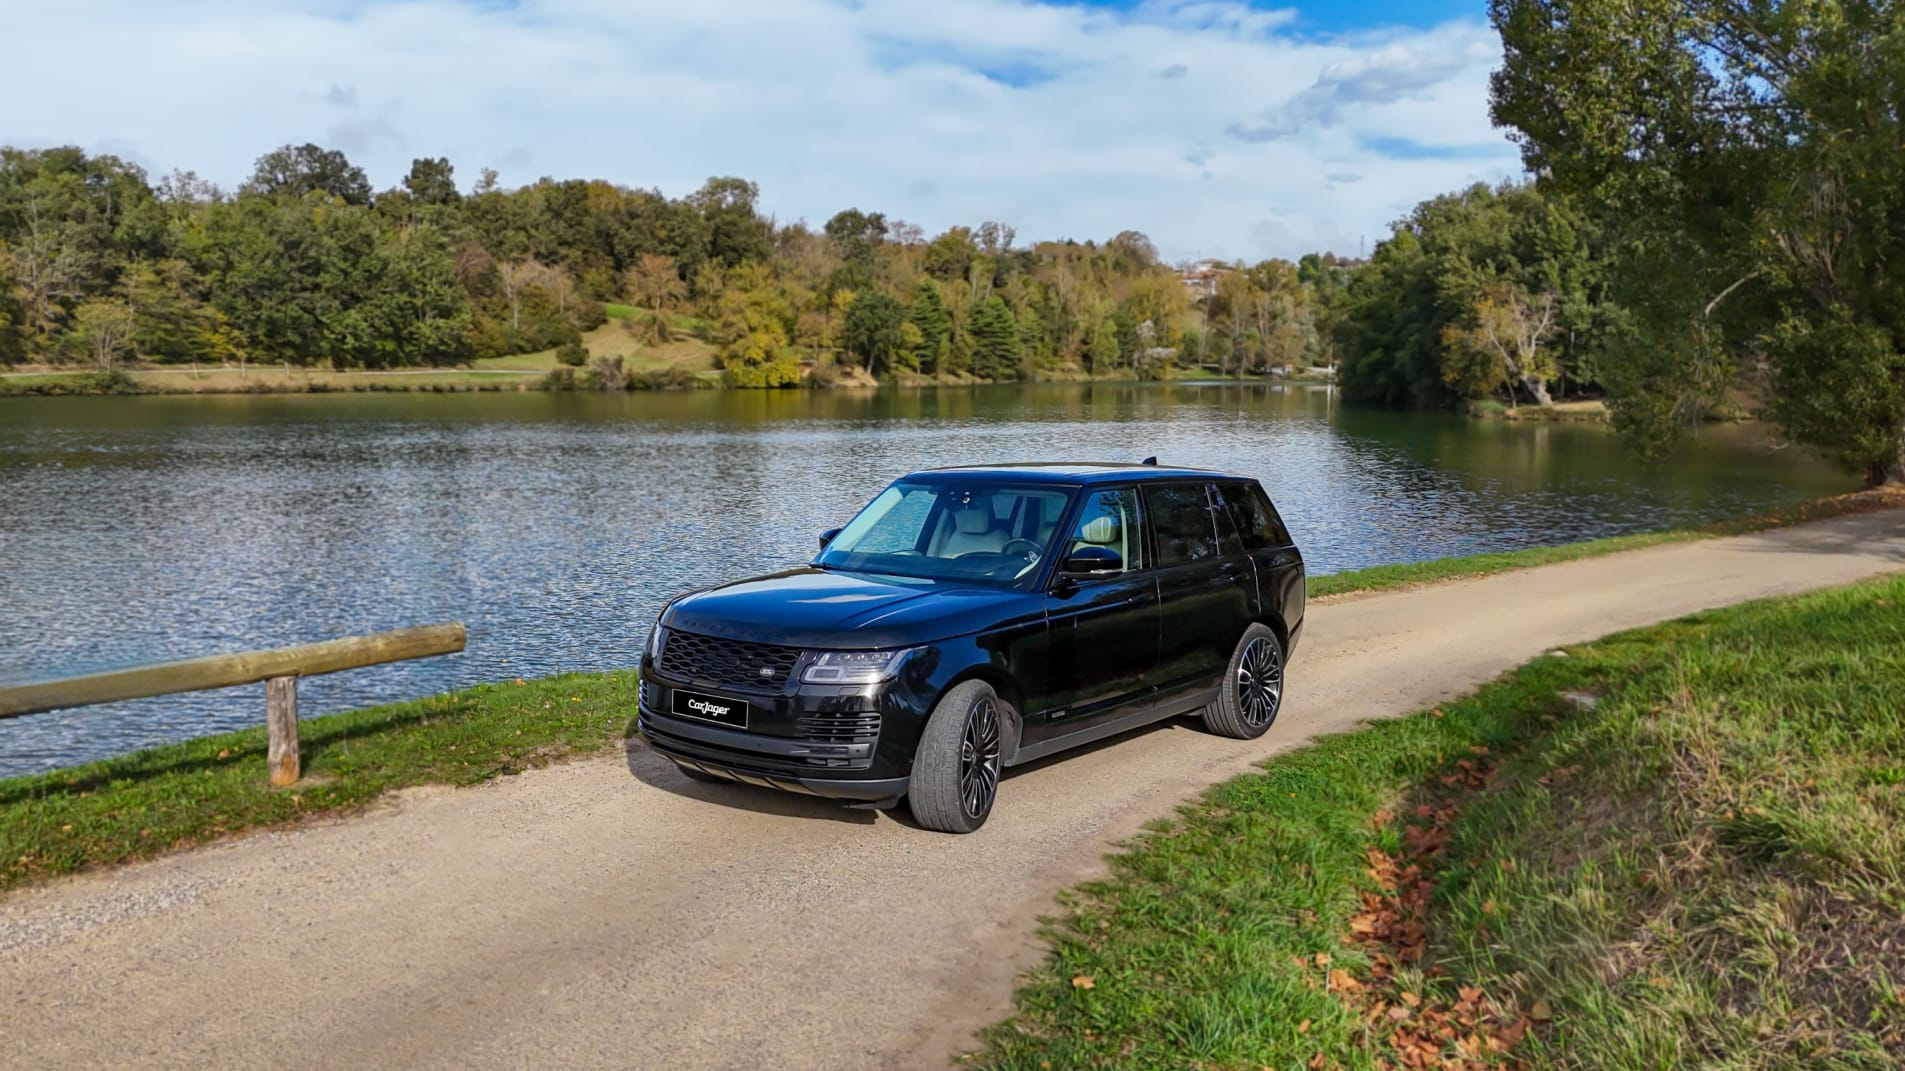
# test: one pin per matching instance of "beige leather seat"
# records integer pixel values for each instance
(1101, 532)
(974, 529)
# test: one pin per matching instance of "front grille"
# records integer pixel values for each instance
(843, 728)
(738, 663)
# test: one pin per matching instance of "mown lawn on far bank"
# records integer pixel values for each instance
(1679, 846)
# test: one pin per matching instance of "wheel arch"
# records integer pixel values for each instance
(1009, 693)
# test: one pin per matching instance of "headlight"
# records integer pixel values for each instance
(854, 667)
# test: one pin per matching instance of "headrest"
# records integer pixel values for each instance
(973, 519)
(1100, 531)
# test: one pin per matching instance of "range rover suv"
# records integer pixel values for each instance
(971, 619)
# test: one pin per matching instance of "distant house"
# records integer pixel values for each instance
(1200, 279)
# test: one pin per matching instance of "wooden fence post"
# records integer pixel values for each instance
(281, 720)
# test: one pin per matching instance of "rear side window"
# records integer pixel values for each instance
(1250, 510)
(1181, 523)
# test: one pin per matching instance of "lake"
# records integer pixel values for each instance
(134, 530)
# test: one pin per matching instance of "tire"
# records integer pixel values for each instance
(956, 766)
(1252, 690)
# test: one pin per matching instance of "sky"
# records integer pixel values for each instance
(1220, 128)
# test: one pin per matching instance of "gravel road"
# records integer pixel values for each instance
(611, 913)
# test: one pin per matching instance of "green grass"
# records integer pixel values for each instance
(617, 311)
(1706, 869)
(1385, 577)
(179, 795)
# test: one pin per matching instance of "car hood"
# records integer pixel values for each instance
(816, 608)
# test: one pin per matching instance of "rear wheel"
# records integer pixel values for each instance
(956, 767)
(1252, 691)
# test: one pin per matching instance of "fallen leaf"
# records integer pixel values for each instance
(1317, 1061)
(224, 753)
(1083, 981)
(1541, 1013)
(1411, 1000)
(1398, 1013)
(1322, 959)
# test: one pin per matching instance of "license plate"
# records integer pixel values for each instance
(729, 712)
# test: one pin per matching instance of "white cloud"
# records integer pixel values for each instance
(1064, 121)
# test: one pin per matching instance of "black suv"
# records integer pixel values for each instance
(974, 618)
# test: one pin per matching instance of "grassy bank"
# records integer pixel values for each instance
(1705, 866)
(176, 796)
(1386, 577)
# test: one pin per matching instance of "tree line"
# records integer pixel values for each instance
(306, 264)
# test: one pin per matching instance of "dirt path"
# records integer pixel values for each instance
(616, 914)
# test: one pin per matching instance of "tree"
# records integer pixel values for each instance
(928, 314)
(753, 324)
(736, 234)
(12, 341)
(995, 340)
(654, 284)
(872, 331)
(1749, 152)
(518, 278)
(432, 181)
(103, 326)
(169, 322)
(1508, 330)
(298, 170)
(1103, 355)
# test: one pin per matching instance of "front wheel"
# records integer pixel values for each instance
(1252, 690)
(956, 768)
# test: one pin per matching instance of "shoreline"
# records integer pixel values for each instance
(139, 382)
(190, 793)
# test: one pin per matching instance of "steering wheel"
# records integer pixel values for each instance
(1027, 548)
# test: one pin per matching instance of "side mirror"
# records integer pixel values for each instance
(1093, 561)
(827, 537)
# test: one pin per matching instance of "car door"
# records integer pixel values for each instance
(1104, 630)
(1279, 567)
(1205, 596)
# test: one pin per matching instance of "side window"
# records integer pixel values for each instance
(1256, 521)
(1181, 522)
(1110, 520)
(1229, 542)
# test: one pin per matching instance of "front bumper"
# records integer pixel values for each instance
(865, 767)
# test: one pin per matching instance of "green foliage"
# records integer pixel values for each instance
(573, 353)
(929, 316)
(1482, 293)
(297, 171)
(871, 332)
(1748, 155)
(432, 181)
(995, 340)
(1103, 355)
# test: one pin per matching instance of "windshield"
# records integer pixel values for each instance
(957, 530)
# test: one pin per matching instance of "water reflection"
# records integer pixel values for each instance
(147, 528)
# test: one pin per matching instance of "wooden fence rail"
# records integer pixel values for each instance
(279, 668)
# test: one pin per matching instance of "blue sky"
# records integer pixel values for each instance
(1218, 127)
